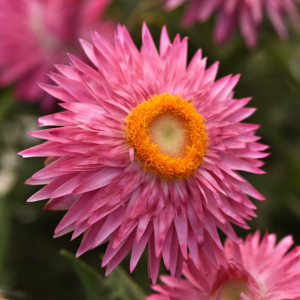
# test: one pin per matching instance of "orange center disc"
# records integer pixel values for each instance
(168, 136)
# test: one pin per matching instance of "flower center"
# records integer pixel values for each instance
(232, 289)
(170, 133)
(168, 136)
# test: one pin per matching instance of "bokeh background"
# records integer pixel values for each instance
(34, 266)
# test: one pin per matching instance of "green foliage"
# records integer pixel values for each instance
(117, 286)
(4, 232)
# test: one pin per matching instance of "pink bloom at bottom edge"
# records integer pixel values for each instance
(117, 185)
(250, 270)
(247, 15)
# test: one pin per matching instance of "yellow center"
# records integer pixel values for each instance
(168, 136)
(232, 289)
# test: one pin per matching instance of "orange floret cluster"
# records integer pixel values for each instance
(138, 137)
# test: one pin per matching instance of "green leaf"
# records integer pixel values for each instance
(124, 286)
(94, 283)
(118, 285)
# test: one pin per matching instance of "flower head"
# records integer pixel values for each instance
(147, 152)
(35, 34)
(250, 270)
(247, 14)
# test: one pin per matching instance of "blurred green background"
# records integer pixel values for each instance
(32, 265)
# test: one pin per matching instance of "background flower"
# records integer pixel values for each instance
(245, 14)
(108, 194)
(35, 35)
(259, 270)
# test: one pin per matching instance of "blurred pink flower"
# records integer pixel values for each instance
(251, 270)
(35, 34)
(135, 164)
(247, 14)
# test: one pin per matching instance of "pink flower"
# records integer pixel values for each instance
(251, 270)
(247, 14)
(134, 163)
(35, 34)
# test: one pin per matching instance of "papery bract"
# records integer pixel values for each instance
(36, 34)
(249, 270)
(114, 188)
(245, 14)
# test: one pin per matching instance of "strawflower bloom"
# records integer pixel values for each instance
(251, 270)
(35, 34)
(245, 14)
(147, 152)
